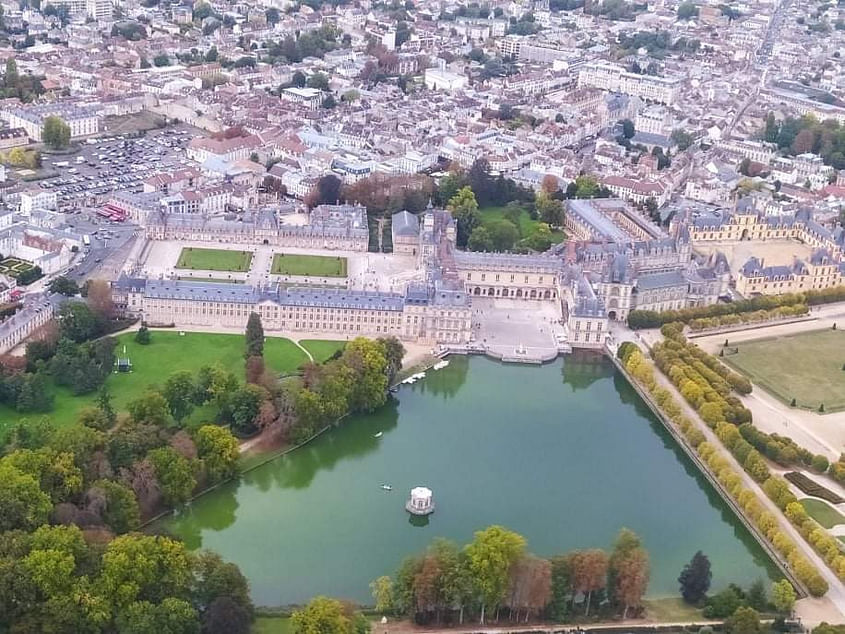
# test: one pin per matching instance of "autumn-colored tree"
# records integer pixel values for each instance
(803, 142)
(100, 299)
(550, 184)
(590, 572)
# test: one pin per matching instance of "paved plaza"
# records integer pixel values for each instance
(514, 329)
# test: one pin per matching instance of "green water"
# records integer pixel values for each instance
(565, 454)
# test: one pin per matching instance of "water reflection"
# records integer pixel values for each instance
(297, 470)
(582, 368)
(448, 381)
(417, 520)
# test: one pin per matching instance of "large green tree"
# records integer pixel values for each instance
(55, 133)
(218, 450)
(490, 556)
(254, 336)
(174, 473)
(695, 578)
(464, 209)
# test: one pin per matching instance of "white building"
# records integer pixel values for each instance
(82, 121)
(437, 79)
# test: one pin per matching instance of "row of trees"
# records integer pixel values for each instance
(638, 319)
(25, 87)
(753, 317)
(743, 442)
(495, 572)
(767, 524)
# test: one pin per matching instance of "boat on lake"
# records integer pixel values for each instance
(386, 487)
(378, 435)
(441, 364)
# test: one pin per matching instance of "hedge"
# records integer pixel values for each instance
(810, 487)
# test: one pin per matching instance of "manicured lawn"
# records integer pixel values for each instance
(168, 353)
(526, 224)
(14, 266)
(209, 280)
(312, 265)
(822, 512)
(322, 350)
(806, 367)
(214, 259)
(671, 610)
(272, 625)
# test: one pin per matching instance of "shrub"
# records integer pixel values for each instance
(813, 488)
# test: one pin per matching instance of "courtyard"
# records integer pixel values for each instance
(771, 252)
(807, 367)
(214, 260)
(309, 265)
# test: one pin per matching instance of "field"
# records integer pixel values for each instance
(167, 353)
(14, 267)
(526, 225)
(312, 265)
(214, 260)
(322, 350)
(806, 367)
(822, 512)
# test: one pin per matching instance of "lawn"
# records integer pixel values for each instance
(322, 350)
(526, 224)
(214, 260)
(806, 367)
(167, 353)
(313, 265)
(209, 280)
(822, 512)
(272, 625)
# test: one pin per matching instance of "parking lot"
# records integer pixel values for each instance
(110, 164)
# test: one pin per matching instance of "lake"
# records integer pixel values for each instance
(565, 453)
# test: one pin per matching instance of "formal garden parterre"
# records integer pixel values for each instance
(214, 260)
(309, 265)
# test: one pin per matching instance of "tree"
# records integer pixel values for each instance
(78, 322)
(744, 620)
(143, 336)
(318, 80)
(298, 79)
(490, 556)
(590, 572)
(171, 616)
(503, 234)
(243, 405)
(369, 363)
(162, 59)
(329, 102)
(25, 506)
(151, 409)
(174, 474)
(480, 240)
(272, 15)
(756, 596)
(628, 130)
(64, 286)
(687, 10)
(322, 616)
(178, 391)
(550, 210)
(118, 507)
(218, 450)
(464, 209)
(394, 352)
(225, 616)
(214, 578)
(629, 570)
(254, 336)
(783, 596)
(382, 591)
(55, 133)
(695, 578)
(326, 192)
(99, 298)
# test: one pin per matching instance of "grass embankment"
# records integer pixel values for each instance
(822, 512)
(806, 367)
(170, 352)
(214, 260)
(309, 265)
